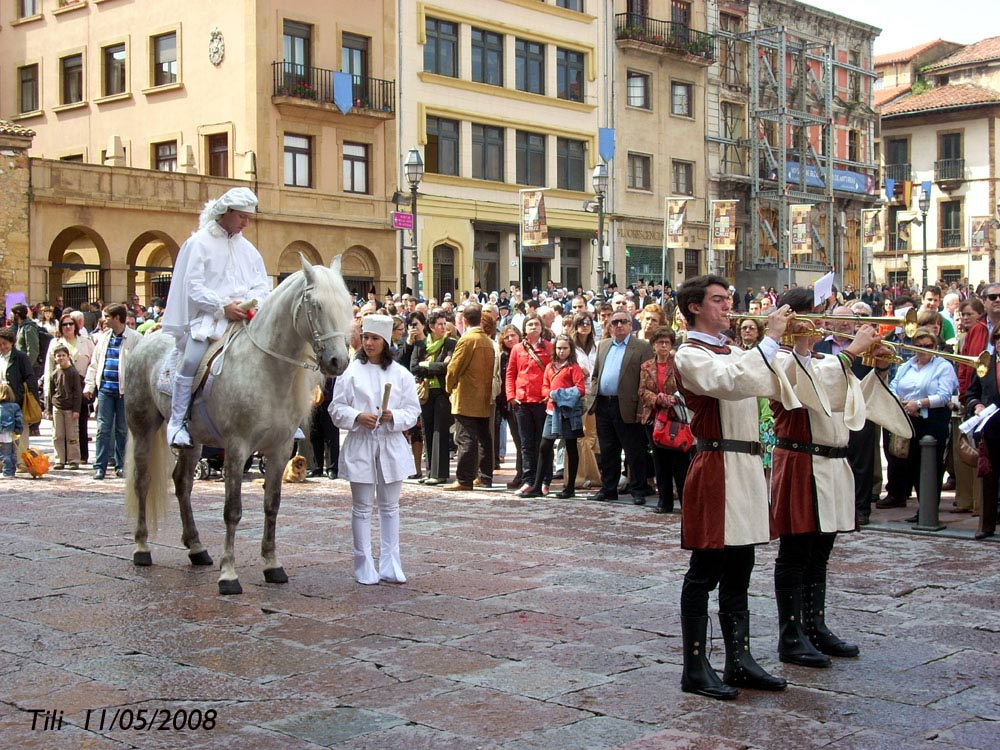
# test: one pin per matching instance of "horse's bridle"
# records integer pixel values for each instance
(319, 339)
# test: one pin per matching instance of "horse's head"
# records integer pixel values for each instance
(328, 315)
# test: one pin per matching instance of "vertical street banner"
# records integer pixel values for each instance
(676, 217)
(904, 229)
(872, 237)
(800, 237)
(979, 234)
(724, 225)
(534, 228)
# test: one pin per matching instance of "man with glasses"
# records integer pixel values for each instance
(615, 392)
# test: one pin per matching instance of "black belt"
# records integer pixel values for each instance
(732, 446)
(813, 449)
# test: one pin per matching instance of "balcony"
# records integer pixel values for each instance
(898, 172)
(951, 238)
(372, 96)
(949, 170)
(676, 38)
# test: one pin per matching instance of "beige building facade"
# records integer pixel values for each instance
(501, 96)
(143, 111)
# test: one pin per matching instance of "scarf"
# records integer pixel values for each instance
(433, 349)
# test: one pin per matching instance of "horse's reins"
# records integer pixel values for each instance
(318, 338)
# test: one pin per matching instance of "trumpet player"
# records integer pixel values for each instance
(812, 490)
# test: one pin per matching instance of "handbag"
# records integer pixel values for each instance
(670, 433)
(31, 412)
(899, 446)
(423, 391)
(968, 454)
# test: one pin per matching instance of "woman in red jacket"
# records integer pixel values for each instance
(564, 385)
(523, 384)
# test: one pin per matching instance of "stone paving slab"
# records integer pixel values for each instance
(524, 625)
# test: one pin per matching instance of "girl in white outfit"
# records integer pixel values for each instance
(375, 457)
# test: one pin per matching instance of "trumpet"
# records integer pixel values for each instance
(908, 323)
(981, 364)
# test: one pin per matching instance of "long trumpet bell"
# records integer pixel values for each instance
(908, 323)
(981, 364)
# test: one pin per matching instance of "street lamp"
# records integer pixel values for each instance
(413, 167)
(924, 203)
(600, 181)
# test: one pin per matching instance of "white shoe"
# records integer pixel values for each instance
(389, 567)
(180, 400)
(364, 565)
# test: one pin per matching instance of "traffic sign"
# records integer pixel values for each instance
(402, 220)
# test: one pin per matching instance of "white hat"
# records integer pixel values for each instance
(237, 199)
(380, 325)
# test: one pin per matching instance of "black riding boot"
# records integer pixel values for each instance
(794, 646)
(698, 676)
(741, 668)
(814, 618)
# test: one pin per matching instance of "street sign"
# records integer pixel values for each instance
(402, 220)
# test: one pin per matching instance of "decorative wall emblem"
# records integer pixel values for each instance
(216, 47)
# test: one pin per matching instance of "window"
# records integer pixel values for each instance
(638, 90)
(682, 177)
(217, 147)
(297, 46)
(569, 75)
(71, 69)
(76, 158)
(441, 151)
(733, 130)
(530, 158)
(853, 77)
(854, 145)
(165, 156)
(487, 153)
(680, 99)
(165, 59)
(28, 8)
(114, 70)
(529, 66)
(355, 168)
(951, 224)
(354, 60)
(680, 14)
(27, 95)
(298, 160)
(569, 160)
(571, 4)
(441, 48)
(487, 57)
(950, 146)
(732, 52)
(639, 170)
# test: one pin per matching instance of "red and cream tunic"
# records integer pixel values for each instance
(725, 494)
(811, 492)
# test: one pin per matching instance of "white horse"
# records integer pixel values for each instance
(257, 401)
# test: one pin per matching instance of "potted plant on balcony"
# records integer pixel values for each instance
(303, 90)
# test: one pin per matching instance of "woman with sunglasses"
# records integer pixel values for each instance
(81, 350)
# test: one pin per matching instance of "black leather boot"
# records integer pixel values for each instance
(814, 618)
(794, 646)
(741, 668)
(698, 676)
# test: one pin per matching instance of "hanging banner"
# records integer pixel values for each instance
(800, 237)
(606, 143)
(872, 236)
(676, 217)
(724, 225)
(979, 235)
(534, 229)
(904, 219)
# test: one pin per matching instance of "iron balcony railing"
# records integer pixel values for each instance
(316, 84)
(666, 34)
(896, 244)
(949, 169)
(898, 172)
(951, 238)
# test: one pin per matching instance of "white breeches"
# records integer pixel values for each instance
(364, 496)
(192, 352)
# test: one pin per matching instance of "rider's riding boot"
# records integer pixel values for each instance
(389, 567)
(361, 530)
(177, 434)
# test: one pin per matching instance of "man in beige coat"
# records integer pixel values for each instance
(469, 380)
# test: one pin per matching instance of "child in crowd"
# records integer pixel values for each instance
(11, 424)
(65, 401)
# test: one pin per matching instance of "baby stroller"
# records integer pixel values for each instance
(213, 460)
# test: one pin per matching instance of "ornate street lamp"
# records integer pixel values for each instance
(924, 203)
(600, 182)
(413, 167)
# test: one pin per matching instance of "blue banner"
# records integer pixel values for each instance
(848, 182)
(343, 91)
(606, 143)
(890, 188)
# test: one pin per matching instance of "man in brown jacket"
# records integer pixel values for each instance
(469, 380)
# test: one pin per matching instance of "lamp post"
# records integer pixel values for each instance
(600, 182)
(413, 167)
(924, 203)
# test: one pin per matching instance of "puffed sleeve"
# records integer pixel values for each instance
(342, 411)
(406, 412)
(740, 374)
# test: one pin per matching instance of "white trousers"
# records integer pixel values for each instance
(364, 496)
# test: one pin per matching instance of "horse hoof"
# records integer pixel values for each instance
(200, 558)
(142, 559)
(227, 588)
(275, 575)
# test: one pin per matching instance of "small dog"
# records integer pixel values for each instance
(295, 470)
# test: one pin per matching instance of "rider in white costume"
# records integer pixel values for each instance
(216, 270)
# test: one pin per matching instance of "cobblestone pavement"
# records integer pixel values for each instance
(525, 625)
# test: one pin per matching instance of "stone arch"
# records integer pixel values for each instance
(432, 285)
(289, 262)
(360, 269)
(78, 256)
(150, 259)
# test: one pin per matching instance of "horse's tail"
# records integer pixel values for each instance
(157, 476)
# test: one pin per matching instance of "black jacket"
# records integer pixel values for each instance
(983, 390)
(20, 373)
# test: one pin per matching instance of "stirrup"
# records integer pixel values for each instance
(178, 444)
